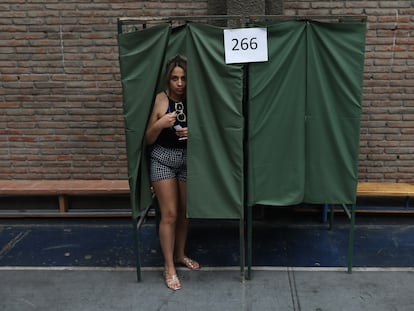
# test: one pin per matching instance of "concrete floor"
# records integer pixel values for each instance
(209, 289)
(298, 264)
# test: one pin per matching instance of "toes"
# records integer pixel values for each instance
(172, 281)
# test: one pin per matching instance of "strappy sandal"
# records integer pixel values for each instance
(189, 263)
(172, 281)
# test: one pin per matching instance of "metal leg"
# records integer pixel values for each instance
(249, 241)
(136, 248)
(242, 250)
(325, 208)
(351, 240)
(137, 223)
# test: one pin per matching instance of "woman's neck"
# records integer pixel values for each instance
(175, 97)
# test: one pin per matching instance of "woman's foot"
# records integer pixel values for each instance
(172, 281)
(189, 263)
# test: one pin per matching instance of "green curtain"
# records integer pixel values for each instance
(276, 105)
(139, 79)
(215, 144)
(176, 45)
(333, 109)
(215, 119)
(304, 113)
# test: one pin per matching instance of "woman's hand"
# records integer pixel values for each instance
(182, 133)
(167, 120)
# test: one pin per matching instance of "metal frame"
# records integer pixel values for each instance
(178, 20)
(175, 20)
(137, 222)
(245, 225)
(351, 214)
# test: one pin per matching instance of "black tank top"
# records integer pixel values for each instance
(168, 138)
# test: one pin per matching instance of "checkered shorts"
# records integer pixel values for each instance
(168, 163)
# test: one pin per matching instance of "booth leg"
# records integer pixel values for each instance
(249, 241)
(136, 248)
(325, 209)
(351, 239)
(242, 250)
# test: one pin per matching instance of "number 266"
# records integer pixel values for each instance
(244, 44)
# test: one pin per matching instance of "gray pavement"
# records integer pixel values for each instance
(89, 289)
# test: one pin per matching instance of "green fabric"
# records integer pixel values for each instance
(139, 78)
(215, 144)
(176, 45)
(303, 115)
(304, 111)
(334, 91)
(276, 111)
(215, 121)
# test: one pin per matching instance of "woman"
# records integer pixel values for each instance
(167, 133)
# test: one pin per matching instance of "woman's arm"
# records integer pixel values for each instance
(159, 119)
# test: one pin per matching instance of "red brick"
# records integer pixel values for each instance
(61, 95)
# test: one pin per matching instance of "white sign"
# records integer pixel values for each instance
(245, 45)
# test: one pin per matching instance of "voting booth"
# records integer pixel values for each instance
(274, 110)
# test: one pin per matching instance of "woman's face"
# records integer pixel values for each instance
(177, 82)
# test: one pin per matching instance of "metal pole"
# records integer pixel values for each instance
(242, 250)
(249, 241)
(247, 208)
(136, 248)
(351, 240)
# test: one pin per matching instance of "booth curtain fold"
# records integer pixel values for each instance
(216, 124)
(304, 114)
(276, 125)
(334, 90)
(139, 80)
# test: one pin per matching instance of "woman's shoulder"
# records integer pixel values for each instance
(161, 98)
(161, 103)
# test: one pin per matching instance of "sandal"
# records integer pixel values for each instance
(189, 263)
(172, 281)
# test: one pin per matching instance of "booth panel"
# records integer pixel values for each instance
(215, 144)
(333, 108)
(276, 105)
(139, 80)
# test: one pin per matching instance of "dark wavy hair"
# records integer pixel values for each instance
(176, 61)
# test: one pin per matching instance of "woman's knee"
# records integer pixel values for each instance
(169, 216)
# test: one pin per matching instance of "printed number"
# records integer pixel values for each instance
(244, 44)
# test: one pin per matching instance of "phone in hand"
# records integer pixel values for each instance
(178, 127)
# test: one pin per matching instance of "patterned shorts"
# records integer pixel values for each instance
(168, 163)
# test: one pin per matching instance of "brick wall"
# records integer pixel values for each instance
(60, 92)
(387, 128)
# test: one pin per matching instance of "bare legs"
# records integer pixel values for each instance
(171, 195)
(181, 228)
